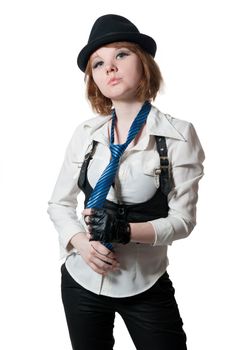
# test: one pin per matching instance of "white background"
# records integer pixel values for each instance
(43, 100)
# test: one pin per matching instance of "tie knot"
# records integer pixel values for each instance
(117, 150)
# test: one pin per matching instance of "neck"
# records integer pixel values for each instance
(122, 125)
(126, 111)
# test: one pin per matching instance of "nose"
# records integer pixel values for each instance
(111, 68)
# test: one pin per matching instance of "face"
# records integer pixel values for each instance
(117, 72)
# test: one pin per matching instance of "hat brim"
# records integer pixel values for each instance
(145, 41)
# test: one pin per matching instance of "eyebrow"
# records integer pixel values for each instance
(95, 56)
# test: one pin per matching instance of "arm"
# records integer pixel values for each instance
(142, 232)
(62, 211)
(63, 202)
(186, 158)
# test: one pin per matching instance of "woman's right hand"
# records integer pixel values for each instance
(95, 254)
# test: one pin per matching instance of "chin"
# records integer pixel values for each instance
(125, 96)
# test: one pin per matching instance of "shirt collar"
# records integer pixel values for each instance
(99, 128)
(157, 123)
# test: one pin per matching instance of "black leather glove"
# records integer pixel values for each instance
(108, 227)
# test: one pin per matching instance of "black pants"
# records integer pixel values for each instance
(152, 317)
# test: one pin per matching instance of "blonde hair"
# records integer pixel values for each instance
(146, 90)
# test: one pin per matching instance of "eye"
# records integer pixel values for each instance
(122, 54)
(97, 64)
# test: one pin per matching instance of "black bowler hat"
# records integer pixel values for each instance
(112, 28)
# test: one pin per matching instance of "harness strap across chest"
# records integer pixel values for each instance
(163, 172)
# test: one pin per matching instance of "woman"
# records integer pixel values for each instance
(139, 170)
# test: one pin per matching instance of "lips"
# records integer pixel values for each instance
(114, 81)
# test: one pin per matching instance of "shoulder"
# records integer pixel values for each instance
(182, 138)
(164, 124)
(84, 133)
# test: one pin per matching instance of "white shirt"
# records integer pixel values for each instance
(140, 264)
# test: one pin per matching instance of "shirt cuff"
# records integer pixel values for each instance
(163, 231)
(65, 237)
(155, 239)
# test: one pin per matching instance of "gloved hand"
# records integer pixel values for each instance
(108, 227)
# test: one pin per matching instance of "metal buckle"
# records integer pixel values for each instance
(157, 171)
(165, 160)
(87, 156)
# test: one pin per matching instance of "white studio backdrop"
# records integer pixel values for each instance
(43, 100)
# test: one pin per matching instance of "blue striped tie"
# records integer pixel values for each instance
(99, 193)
